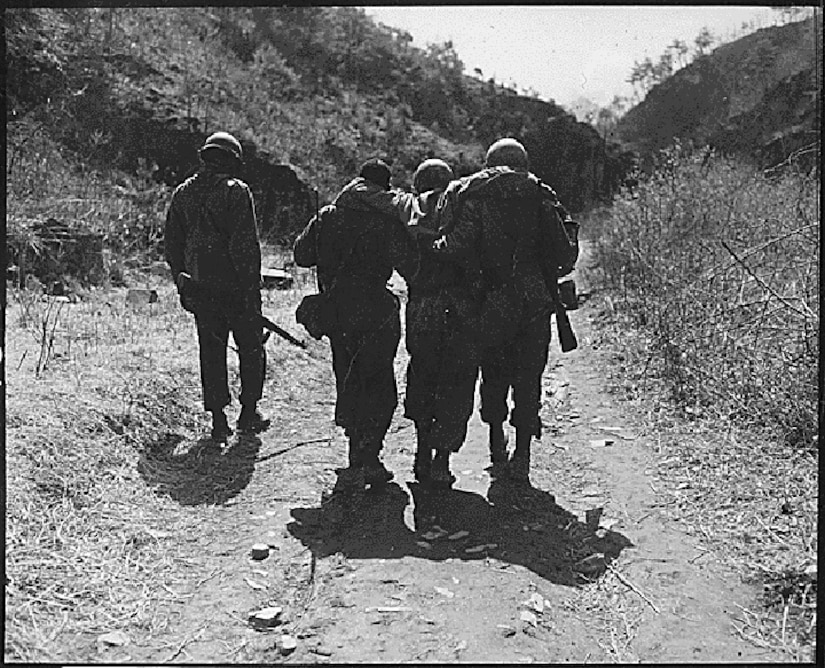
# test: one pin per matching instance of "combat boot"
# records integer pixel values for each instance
(375, 473)
(251, 421)
(220, 427)
(519, 468)
(440, 475)
(498, 450)
(351, 479)
(422, 464)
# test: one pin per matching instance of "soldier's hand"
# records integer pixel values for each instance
(181, 279)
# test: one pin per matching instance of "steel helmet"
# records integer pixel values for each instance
(432, 174)
(507, 152)
(225, 142)
(376, 171)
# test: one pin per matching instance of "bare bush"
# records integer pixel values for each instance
(719, 262)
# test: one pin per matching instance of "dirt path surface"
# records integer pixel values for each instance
(581, 567)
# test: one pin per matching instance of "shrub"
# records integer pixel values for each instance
(719, 263)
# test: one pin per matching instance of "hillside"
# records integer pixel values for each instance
(124, 96)
(755, 97)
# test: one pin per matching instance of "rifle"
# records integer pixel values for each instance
(550, 269)
(192, 297)
(567, 338)
(266, 323)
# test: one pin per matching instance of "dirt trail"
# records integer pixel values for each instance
(369, 579)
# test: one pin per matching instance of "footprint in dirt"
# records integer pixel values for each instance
(515, 524)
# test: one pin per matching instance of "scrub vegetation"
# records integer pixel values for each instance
(706, 287)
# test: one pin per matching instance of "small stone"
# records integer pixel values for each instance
(424, 544)
(259, 551)
(434, 534)
(253, 584)
(287, 644)
(529, 617)
(601, 443)
(114, 639)
(458, 535)
(141, 296)
(389, 608)
(506, 631)
(536, 602)
(444, 592)
(266, 617)
(322, 651)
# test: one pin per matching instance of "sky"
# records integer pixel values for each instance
(563, 51)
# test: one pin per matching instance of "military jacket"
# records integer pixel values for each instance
(496, 225)
(212, 233)
(356, 239)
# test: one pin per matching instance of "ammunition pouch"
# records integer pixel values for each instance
(317, 315)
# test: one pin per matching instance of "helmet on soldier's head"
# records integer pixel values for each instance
(432, 174)
(224, 142)
(376, 171)
(507, 152)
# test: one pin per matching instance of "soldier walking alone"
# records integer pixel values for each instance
(500, 224)
(355, 243)
(213, 251)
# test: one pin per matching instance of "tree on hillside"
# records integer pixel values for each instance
(704, 41)
(680, 49)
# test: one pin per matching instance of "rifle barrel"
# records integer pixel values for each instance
(268, 324)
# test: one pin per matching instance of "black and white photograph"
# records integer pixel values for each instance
(407, 334)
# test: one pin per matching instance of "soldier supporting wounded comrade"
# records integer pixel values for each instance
(355, 243)
(212, 247)
(498, 224)
(443, 366)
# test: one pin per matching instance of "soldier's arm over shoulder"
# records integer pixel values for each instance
(305, 248)
(460, 232)
(174, 238)
(244, 246)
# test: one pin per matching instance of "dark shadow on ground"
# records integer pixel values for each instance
(515, 524)
(201, 473)
(368, 525)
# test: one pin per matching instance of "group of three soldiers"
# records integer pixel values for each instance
(480, 255)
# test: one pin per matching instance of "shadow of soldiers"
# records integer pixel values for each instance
(360, 526)
(203, 474)
(517, 524)
(552, 542)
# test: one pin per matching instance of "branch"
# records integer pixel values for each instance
(712, 272)
(809, 314)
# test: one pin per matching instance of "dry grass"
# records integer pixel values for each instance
(750, 498)
(92, 542)
(711, 273)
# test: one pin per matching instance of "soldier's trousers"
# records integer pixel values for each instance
(517, 364)
(365, 381)
(214, 326)
(441, 378)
